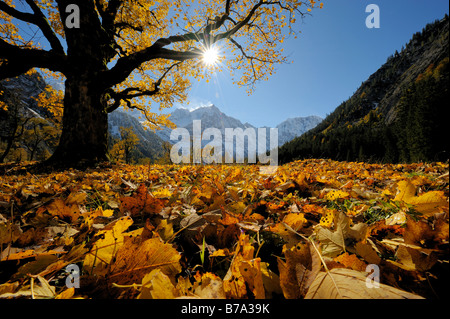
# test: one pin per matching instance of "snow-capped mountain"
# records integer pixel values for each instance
(212, 117)
(293, 127)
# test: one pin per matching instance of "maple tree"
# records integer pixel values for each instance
(122, 149)
(126, 52)
(313, 230)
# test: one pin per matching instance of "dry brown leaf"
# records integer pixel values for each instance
(9, 233)
(366, 251)
(415, 259)
(299, 270)
(351, 284)
(141, 202)
(39, 289)
(332, 242)
(420, 232)
(59, 208)
(8, 287)
(210, 287)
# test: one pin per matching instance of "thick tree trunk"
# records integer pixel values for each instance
(85, 125)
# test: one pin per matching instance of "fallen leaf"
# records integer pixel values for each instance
(233, 282)
(415, 259)
(165, 230)
(221, 253)
(35, 290)
(13, 253)
(59, 208)
(157, 285)
(211, 287)
(105, 248)
(428, 203)
(396, 219)
(136, 258)
(9, 233)
(332, 242)
(351, 261)
(243, 272)
(336, 194)
(141, 202)
(405, 191)
(40, 263)
(420, 232)
(66, 294)
(299, 270)
(368, 253)
(351, 284)
(251, 271)
(8, 287)
(327, 219)
(271, 281)
(162, 193)
(76, 198)
(295, 220)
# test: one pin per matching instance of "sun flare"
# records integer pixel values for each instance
(210, 56)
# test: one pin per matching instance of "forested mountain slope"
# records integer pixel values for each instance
(398, 115)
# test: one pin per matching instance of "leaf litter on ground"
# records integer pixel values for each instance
(312, 229)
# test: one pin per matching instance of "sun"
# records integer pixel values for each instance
(210, 56)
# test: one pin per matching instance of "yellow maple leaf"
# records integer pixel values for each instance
(165, 230)
(244, 272)
(295, 220)
(76, 198)
(136, 258)
(107, 212)
(105, 248)
(157, 285)
(162, 193)
(336, 194)
(427, 203)
(327, 219)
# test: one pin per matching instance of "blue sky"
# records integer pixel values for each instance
(333, 55)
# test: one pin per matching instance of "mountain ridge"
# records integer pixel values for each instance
(212, 116)
(372, 125)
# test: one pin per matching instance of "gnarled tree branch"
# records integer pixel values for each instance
(17, 60)
(129, 93)
(38, 19)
